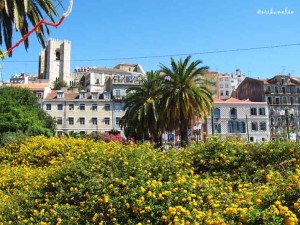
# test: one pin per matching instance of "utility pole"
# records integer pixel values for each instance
(287, 123)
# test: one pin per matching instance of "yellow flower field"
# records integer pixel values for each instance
(79, 181)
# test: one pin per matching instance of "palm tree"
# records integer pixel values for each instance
(183, 95)
(141, 107)
(16, 15)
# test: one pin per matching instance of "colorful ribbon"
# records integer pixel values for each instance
(66, 14)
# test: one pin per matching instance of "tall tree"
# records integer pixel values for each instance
(17, 15)
(183, 95)
(141, 104)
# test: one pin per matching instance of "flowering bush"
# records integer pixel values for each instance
(79, 181)
(107, 137)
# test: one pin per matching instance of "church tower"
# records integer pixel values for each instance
(55, 61)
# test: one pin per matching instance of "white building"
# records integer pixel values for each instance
(243, 118)
(229, 82)
(80, 112)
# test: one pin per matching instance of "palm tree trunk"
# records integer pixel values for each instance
(184, 131)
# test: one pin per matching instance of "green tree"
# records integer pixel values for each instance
(58, 84)
(183, 95)
(20, 113)
(141, 104)
(17, 15)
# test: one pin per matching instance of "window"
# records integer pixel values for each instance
(106, 96)
(71, 107)
(221, 86)
(221, 79)
(82, 95)
(283, 90)
(39, 94)
(226, 79)
(60, 95)
(222, 93)
(48, 106)
(217, 127)
(118, 121)
(94, 95)
(95, 120)
(226, 85)
(236, 127)
(107, 107)
(292, 100)
(276, 90)
(253, 111)
(59, 133)
(117, 78)
(106, 121)
(233, 113)
(227, 93)
(284, 100)
(82, 120)
(60, 107)
(254, 126)
(217, 113)
(71, 120)
(57, 55)
(118, 106)
(263, 126)
(82, 106)
(59, 120)
(127, 78)
(272, 121)
(251, 139)
(270, 100)
(94, 107)
(277, 100)
(262, 111)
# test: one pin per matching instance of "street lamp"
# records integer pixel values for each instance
(197, 130)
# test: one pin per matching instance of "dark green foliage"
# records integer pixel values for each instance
(20, 114)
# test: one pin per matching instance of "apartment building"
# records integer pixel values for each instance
(282, 95)
(239, 118)
(81, 112)
(229, 82)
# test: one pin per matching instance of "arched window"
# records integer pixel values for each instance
(57, 55)
(233, 113)
(217, 114)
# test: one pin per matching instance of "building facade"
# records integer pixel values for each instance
(229, 82)
(239, 118)
(80, 112)
(282, 94)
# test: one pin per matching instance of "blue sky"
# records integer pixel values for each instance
(109, 29)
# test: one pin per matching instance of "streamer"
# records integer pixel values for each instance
(66, 14)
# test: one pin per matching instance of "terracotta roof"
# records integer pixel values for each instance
(68, 95)
(235, 101)
(36, 86)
